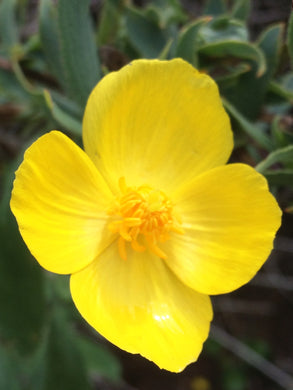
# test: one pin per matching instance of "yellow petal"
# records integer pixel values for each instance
(159, 122)
(230, 220)
(59, 200)
(139, 305)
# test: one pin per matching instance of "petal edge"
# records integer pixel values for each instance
(59, 200)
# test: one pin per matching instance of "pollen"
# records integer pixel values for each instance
(143, 217)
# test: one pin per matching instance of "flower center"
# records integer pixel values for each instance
(145, 218)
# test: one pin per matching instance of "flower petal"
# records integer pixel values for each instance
(160, 121)
(230, 220)
(139, 305)
(59, 200)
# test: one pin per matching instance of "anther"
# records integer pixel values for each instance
(142, 214)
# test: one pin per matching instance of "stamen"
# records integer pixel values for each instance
(132, 221)
(137, 247)
(124, 233)
(157, 251)
(122, 248)
(145, 214)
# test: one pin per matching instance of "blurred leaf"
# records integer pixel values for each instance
(145, 36)
(99, 360)
(260, 346)
(281, 135)
(270, 42)
(166, 12)
(235, 49)
(22, 301)
(290, 38)
(212, 348)
(66, 120)
(166, 50)
(187, 40)
(78, 49)
(48, 29)
(33, 368)
(58, 288)
(279, 96)
(234, 378)
(284, 156)
(69, 106)
(32, 52)
(281, 91)
(66, 368)
(253, 131)
(287, 81)
(8, 370)
(11, 90)
(250, 92)
(231, 75)
(215, 7)
(280, 177)
(223, 29)
(250, 89)
(241, 9)
(109, 22)
(8, 25)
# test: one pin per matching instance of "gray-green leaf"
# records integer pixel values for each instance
(78, 49)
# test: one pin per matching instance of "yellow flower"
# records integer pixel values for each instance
(148, 220)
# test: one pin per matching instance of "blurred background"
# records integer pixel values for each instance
(52, 53)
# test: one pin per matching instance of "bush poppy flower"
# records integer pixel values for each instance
(148, 220)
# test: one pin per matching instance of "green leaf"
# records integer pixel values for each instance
(166, 12)
(241, 9)
(250, 129)
(287, 81)
(223, 29)
(144, 35)
(290, 38)
(250, 92)
(62, 117)
(165, 53)
(281, 133)
(235, 49)
(284, 156)
(69, 106)
(78, 50)
(281, 91)
(48, 29)
(22, 372)
(22, 298)
(99, 360)
(109, 22)
(280, 177)
(9, 370)
(65, 365)
(215, 7)
(8, 25)
(247, 89)
(231, 74)
(187, 41)
(270, 42)
(12, 91)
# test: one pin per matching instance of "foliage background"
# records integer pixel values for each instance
(52, 53)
